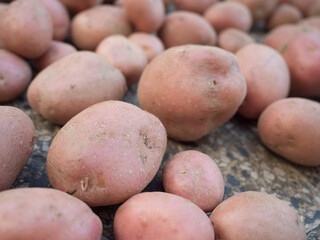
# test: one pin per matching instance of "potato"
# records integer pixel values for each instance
(15, 75)
(284, 14)
(267, 76)
(72, 84)
(161, 216)
(182, 27)
(75, 6)
(194, 176)
(233, 39)
(46, 214)
(107, 153)
(199, 6)
(151, 44)
(60, 18)
(146, 15)
(124, 55)
(16, 145)
(290, 128)
(255, 216)
(310, 22)
(56, 51)
(223, 15)
(303, 5)
(26, 28)
(98, 23)
(314, 9)
(192, 90)
(3, 6)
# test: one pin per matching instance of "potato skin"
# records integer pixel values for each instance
(75, 6)
(233, 39)
(3, 6)
(194, 176)
(256, 216)
(46, 214)
(161, 216)
(267, 76)
(199, 6)
(31, 34)
(290, 128)
(72, 84)
(16, 144)
(15, 75)
(107, 153)
(192, 90)
(182, 27)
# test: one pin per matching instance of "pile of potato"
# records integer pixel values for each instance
(195, 66)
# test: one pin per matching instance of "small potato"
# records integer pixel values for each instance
(15, 75)
(161, 216)
(75, 6)
(146, 15)
(26, 28)
(314, 9)
(256, 216)
(303, 5)
(182, 27)
(107, 153)
(199, 6)
(72, 84)
(194, 176)
(16, 145)
(290, 128)
(56, 51)
(46, 214)
(3, 6)
(151, 44)
(98, 23)
(233, 39)
(124, 55)
(267, 76)
(310, 22)
(223, 15)
(284, 14)
(192, 89)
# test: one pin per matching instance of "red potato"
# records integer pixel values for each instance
(161, 216)
(107, 153)
(303, 5)
(182, 27)
(314, 9)
(31, 34)
(3, 6)
(223, 15)
(267, 76)
(233, 39)
(98, 23)
(199, 6)
(16, 145)
(256, 216)
(15, 75)
(194, 176)
(46, 214)
(56, 51)
(75, 6)
(311, 22)
(146, 15)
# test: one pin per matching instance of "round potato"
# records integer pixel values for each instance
(75, 6)
(3, 6)
(26, 28)
(310, 22)
(255, 215)
(182, 27)
(107, 153)
(192, 89)
(223, 15)
(15, 75)
(98, 23)
(314, 9)
(194, 6)
(124, 55)
(194, 176)
(74, 83)
(161, 216)
(290, 128)
(267, 76)
(46, 214)
(233, 39)
(16, 145)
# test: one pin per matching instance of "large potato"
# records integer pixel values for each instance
(98, 23)
(75, 6)
(233, 39)
(26, 28)
(107, 153)
(161, 216)
(74, 83)
(194, 6)
(192, 89)
(290, 128)
(15, 75)
(42, 213)
(256, 216)
(267, 76)
(17, 135)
